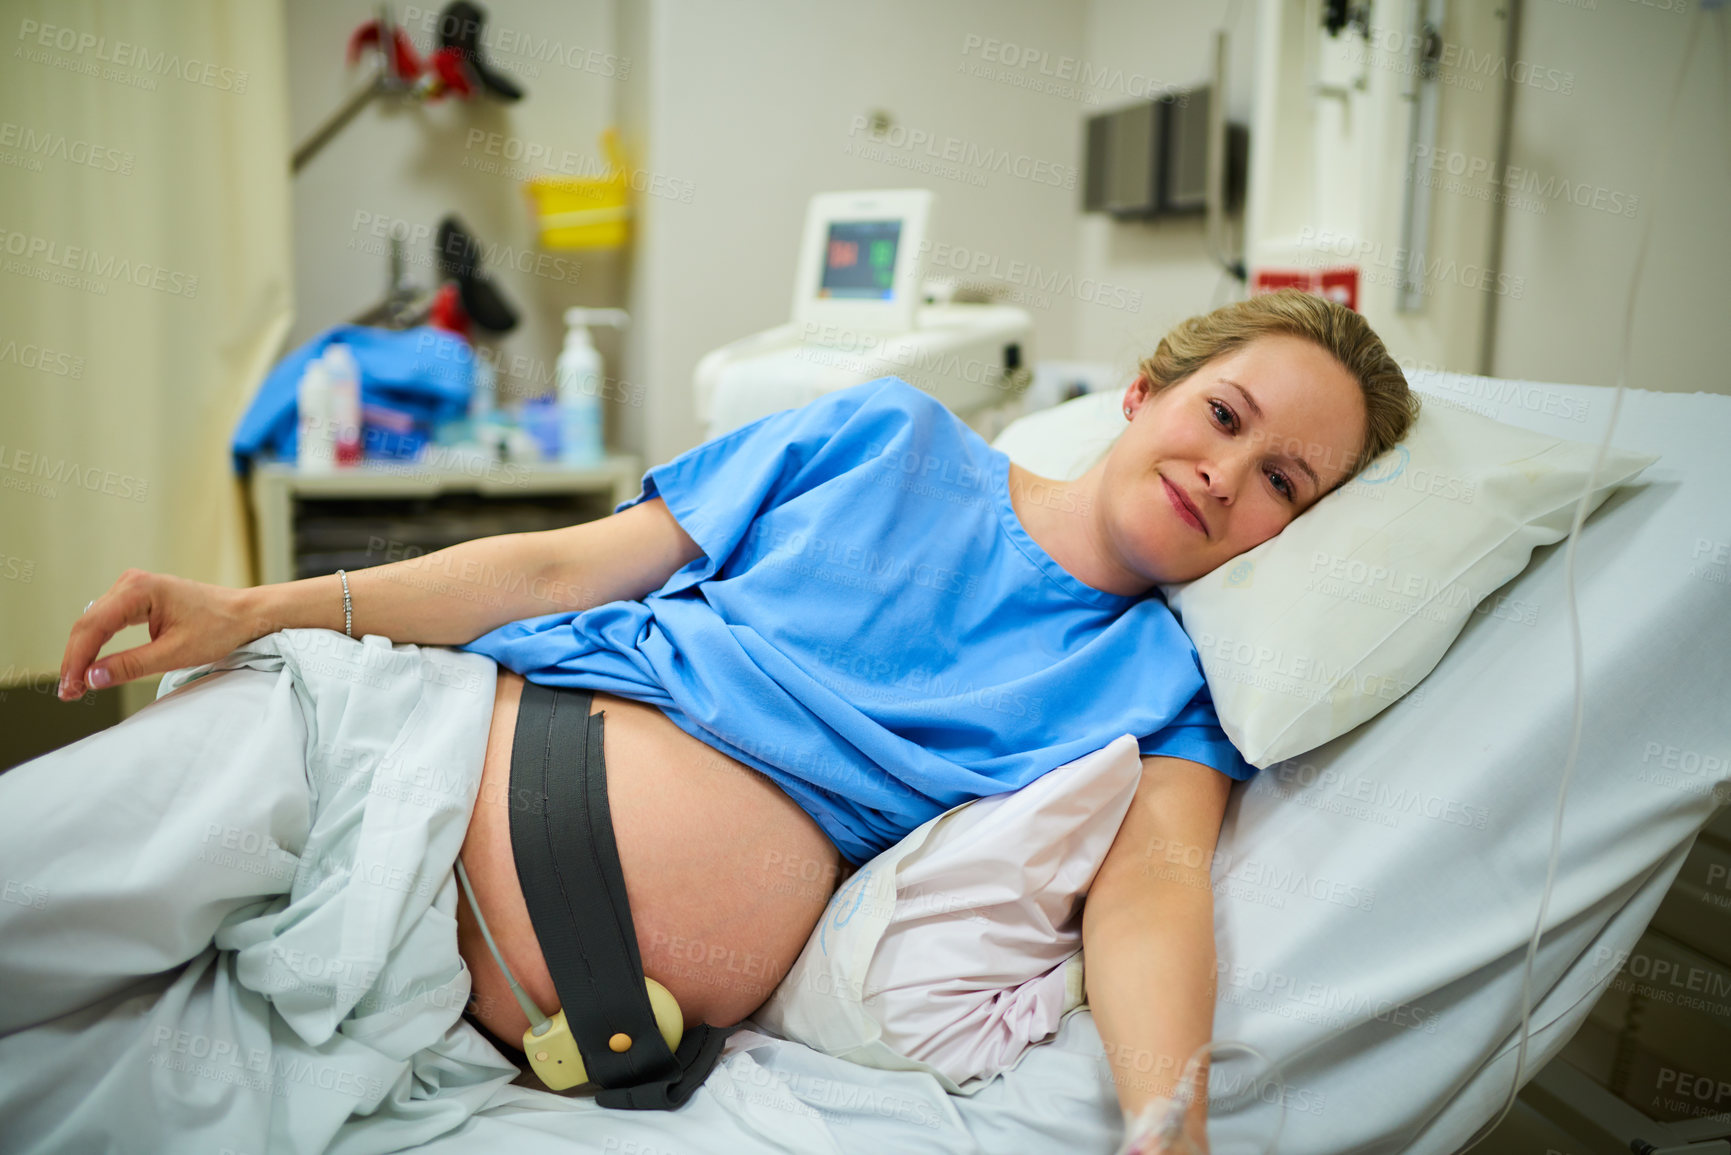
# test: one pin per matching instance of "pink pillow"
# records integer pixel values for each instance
(951, 952)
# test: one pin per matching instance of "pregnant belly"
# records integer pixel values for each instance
(726, 875)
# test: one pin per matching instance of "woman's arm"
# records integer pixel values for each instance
(1148, 933)
(445, 598)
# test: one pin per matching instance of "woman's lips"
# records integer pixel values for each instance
(1182, 506)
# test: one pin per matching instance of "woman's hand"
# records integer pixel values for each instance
(191, 623)
(1144, 1133)
(446, 598)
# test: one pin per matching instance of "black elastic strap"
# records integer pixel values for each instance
(568, 867)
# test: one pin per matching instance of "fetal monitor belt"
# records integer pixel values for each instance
(568, 867)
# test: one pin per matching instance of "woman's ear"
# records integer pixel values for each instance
(1135, 395)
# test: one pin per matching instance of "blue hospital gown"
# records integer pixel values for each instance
(871, 627)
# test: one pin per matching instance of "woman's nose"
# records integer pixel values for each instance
(1223, 477)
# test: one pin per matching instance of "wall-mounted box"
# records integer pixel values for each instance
(1151, 158)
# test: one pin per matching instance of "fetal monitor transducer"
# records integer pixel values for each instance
(548, 1043)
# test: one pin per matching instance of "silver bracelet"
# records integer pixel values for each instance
(348, 606)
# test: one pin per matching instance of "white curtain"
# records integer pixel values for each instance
(144, 290)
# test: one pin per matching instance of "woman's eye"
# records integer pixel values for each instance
(1229, 421)
(1283, 485)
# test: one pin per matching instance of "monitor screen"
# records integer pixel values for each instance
(860, 260)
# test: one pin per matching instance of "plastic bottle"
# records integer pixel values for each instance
(484, 394)
(579, 387)
(345, 385)
(315, 450)
(540, 419)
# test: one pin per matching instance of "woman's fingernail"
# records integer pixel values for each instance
(99, 678)
(65, 684)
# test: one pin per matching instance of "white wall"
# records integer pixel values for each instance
(734, 114)
(1601, 141)
(1163, 263)
(417, 163)
(755, 102)
(1329, 167)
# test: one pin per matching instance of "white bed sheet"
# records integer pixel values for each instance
(770, 1095)
(1374, 897)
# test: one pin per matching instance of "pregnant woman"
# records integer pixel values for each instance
(811, 635)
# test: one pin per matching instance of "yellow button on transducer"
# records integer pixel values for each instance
(620, 1043)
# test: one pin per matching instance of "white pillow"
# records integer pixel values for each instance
(956, 948)
(1321, 627)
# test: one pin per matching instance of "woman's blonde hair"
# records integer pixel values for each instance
(1390, 406)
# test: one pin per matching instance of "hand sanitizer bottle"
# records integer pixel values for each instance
(345, 384)
(315, 447)
(579, 388)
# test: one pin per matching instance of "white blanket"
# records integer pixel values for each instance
(238, 931)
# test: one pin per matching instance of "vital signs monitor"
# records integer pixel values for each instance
(859, 260)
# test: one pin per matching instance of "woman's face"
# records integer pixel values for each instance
(1224, 459)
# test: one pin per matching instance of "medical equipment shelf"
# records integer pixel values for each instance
(309, 524)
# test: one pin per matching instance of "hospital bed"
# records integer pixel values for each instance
(1375, 896)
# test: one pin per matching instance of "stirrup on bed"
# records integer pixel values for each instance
(618, 1028)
